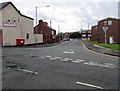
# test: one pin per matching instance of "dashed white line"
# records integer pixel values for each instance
(90, 85)
(58, 57)
(67, 59)
(28, 71)
(48, 56)
(78, 61)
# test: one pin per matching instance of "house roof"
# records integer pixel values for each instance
(110, 19)
(3, 5)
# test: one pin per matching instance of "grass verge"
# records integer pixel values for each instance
(111, 46)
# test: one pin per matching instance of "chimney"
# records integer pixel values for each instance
(45, 23)
(40, 21)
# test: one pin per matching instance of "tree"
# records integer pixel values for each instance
(60, 34)
(75, 35)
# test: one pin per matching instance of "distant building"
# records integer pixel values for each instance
(49, 34)
(16, 28)
(86, 34)
(113, 32)
(66, 35)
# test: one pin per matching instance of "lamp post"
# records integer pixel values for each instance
(105, 30)
(36, 26)
(87, 24)
(36, 21)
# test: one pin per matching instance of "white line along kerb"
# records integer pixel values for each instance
(90, 85)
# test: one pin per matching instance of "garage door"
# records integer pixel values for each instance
(1, 38)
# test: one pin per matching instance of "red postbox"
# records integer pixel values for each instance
(20, 42)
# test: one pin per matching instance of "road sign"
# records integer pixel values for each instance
(105, 28)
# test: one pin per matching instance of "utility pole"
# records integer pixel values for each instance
(36, 26)
(59, 32)
(50, 24)
(36, 23)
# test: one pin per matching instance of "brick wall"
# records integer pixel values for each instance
(94, 31)
(113, 30)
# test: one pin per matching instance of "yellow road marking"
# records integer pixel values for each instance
(97, 52)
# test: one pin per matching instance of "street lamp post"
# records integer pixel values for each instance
(105, 30)
(36, 21)
(88, 23)
(36, 26)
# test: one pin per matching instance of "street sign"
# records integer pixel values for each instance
(105, 28)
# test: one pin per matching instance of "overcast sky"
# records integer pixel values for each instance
(69, 15)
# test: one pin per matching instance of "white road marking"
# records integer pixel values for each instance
(42, 57)
(52, 58)
(78, 61)
(90, 85)
(27, 71)
(81, 61)
(106, 65)
(71, 51)
(48, 56)
(58, 57)
(67, 59)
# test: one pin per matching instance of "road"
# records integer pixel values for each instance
(65, 66)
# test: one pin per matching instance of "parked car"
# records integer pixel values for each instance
(66, 39)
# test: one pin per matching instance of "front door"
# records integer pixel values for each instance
(111, 40)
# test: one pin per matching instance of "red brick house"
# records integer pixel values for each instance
(49, 34)
(94, 35)
(66, 35)
(113, 32)
(86, 34)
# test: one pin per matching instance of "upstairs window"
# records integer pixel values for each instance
(105, 22)
(109, 22)
(19, 19)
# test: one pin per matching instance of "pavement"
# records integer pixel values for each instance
(102, 50)
(34, 45)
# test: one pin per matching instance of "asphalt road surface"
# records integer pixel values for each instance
(65, 66)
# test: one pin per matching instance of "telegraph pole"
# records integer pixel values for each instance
(36, 26)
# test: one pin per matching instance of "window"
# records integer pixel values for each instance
(14, 20)
(89, 31)
(27, 36)
(109, 22)
(19, 19)
(84, 35)
(83, 31)
(52, 32)
(88, 38)
(105, 22)
(9, 20)
(89, 35)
